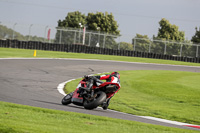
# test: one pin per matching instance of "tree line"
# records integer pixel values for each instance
(105, 22)
(8, 33)
(169, 40)
(99, 22)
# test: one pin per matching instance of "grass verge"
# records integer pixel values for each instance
(20, 118)
(14, 53)
(171, 95)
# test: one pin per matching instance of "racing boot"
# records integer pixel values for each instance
(106, 104)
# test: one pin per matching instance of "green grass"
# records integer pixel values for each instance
(14, 53)
(171, 95)
(25, 119)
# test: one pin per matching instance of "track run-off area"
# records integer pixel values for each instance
(36, 81)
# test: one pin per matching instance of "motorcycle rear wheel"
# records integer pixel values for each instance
(100, 98)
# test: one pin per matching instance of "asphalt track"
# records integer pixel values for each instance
(34, 82)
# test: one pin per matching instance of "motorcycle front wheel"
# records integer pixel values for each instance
(66, 100)
(98, 100)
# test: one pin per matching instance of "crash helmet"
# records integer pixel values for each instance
(116, 74)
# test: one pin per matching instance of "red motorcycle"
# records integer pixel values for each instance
(91, 92)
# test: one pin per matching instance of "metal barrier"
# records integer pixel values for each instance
(166, 47)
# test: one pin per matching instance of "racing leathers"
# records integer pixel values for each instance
(113, 79)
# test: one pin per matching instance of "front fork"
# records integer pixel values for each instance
(89, 95)
(92, 93)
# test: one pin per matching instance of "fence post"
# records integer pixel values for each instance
(119, 44)
(134, 44)
(79, 36)
(150, 47)
(45, 33)
(181, 49)
(14, 30)
(104, 39)
(84, 30)
(89, 38)
(165, 50)
(60, 36)
(75, 37)
(30, 32)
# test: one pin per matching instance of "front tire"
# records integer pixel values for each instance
(100, 98)
(66, 100)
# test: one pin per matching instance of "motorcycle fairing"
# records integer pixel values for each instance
(76, 99)
(110, 83)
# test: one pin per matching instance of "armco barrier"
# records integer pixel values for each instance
(90, 50)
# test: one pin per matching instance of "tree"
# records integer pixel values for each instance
(170, 32)
(100, 22)
(8, 33)
(103, 22)
(196, 38)
(126, 46)
(141, 43)
(73, 19)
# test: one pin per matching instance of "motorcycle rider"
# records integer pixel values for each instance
(114, 77)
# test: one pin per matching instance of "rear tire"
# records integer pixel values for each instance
(66, 100)
(101, 97)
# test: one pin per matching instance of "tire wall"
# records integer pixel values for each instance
(90, 50)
